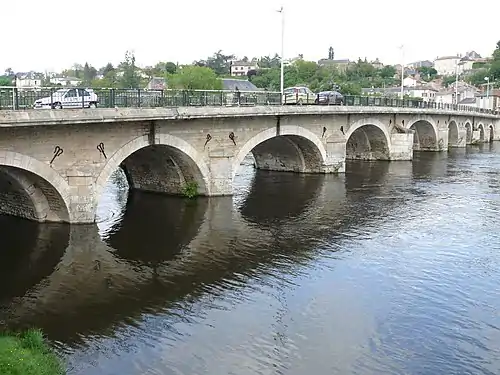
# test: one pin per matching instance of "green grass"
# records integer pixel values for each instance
(28, 354)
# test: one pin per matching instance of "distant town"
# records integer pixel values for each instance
(467, 78)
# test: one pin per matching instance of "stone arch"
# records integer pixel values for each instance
(480, 127)
(163, 167)
(453, 138)
(368, 141)
(468, 133)
(32, 190)
(426, 135)
(295, 149)
(491, 135)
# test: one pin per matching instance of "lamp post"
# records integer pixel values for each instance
(402, 71)
(456, 83)
(487, 79)
(282, 73)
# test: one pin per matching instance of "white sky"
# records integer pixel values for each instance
(100, 31)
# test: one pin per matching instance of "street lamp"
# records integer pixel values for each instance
(282, 73)
(487, 79)
(402, 70)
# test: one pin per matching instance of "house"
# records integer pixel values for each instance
(421, 64)
(341, 64)
(65, 81)
(464, 91)
(377, 64)
(489, 100)
(465, 64)
(473, 55)
(156, 83)
(446, 65)
(29, 80)
(426, 92)
(412, 81)
(232, 84)
(386, 91)
(241, 68)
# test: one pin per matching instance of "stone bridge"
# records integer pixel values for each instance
(55, 164)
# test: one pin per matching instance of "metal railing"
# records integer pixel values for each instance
(22, 99)
(25, 98)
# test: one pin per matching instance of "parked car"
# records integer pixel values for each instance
(330, 98)
(68, 98)
(298, 95)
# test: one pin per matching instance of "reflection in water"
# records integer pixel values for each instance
(274, 198)
(155, 228)
(389, 269)
(29, 252)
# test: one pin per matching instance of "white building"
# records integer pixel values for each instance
(65, 81)
(28, 81)
(490, 101)
(446, 65)
(241, 68)
(427, 93)
(464, 92)
(412, 82)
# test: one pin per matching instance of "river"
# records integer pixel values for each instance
(392, 268)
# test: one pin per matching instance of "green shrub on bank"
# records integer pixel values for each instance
(190, 190)
(28, 354)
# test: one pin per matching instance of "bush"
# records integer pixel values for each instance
(28, 354)
(190, 190)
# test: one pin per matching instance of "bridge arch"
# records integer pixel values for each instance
(165, 167)
(426, 134)
(468, 133)
(453, 138)
(480, 127)
(295, 149)
(368, 140)
(32, 190)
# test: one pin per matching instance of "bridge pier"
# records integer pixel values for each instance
(401, 146)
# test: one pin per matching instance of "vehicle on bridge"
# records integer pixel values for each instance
(299, 95)
(68, 98)
(330, 98)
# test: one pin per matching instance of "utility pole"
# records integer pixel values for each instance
(402, 71)
(282, 73)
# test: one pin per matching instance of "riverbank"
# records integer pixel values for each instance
(28, 354)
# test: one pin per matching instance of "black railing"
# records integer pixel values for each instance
(28, 98)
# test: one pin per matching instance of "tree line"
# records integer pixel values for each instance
(205, 74)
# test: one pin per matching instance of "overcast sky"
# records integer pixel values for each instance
(38, 36)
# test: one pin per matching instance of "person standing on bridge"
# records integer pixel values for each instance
(238, 95)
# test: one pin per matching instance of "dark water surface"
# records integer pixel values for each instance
(392, 268)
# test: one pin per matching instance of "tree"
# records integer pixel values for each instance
(130, 77)
(387, 72)
(194, 78)
(478, 77)
(268, 62)
(219, 63)
(427, 73)
(89, 73)
(448, 80)
(6, 81)
(106, 69)
(496, 53)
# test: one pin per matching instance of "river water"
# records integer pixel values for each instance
(392, 268)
